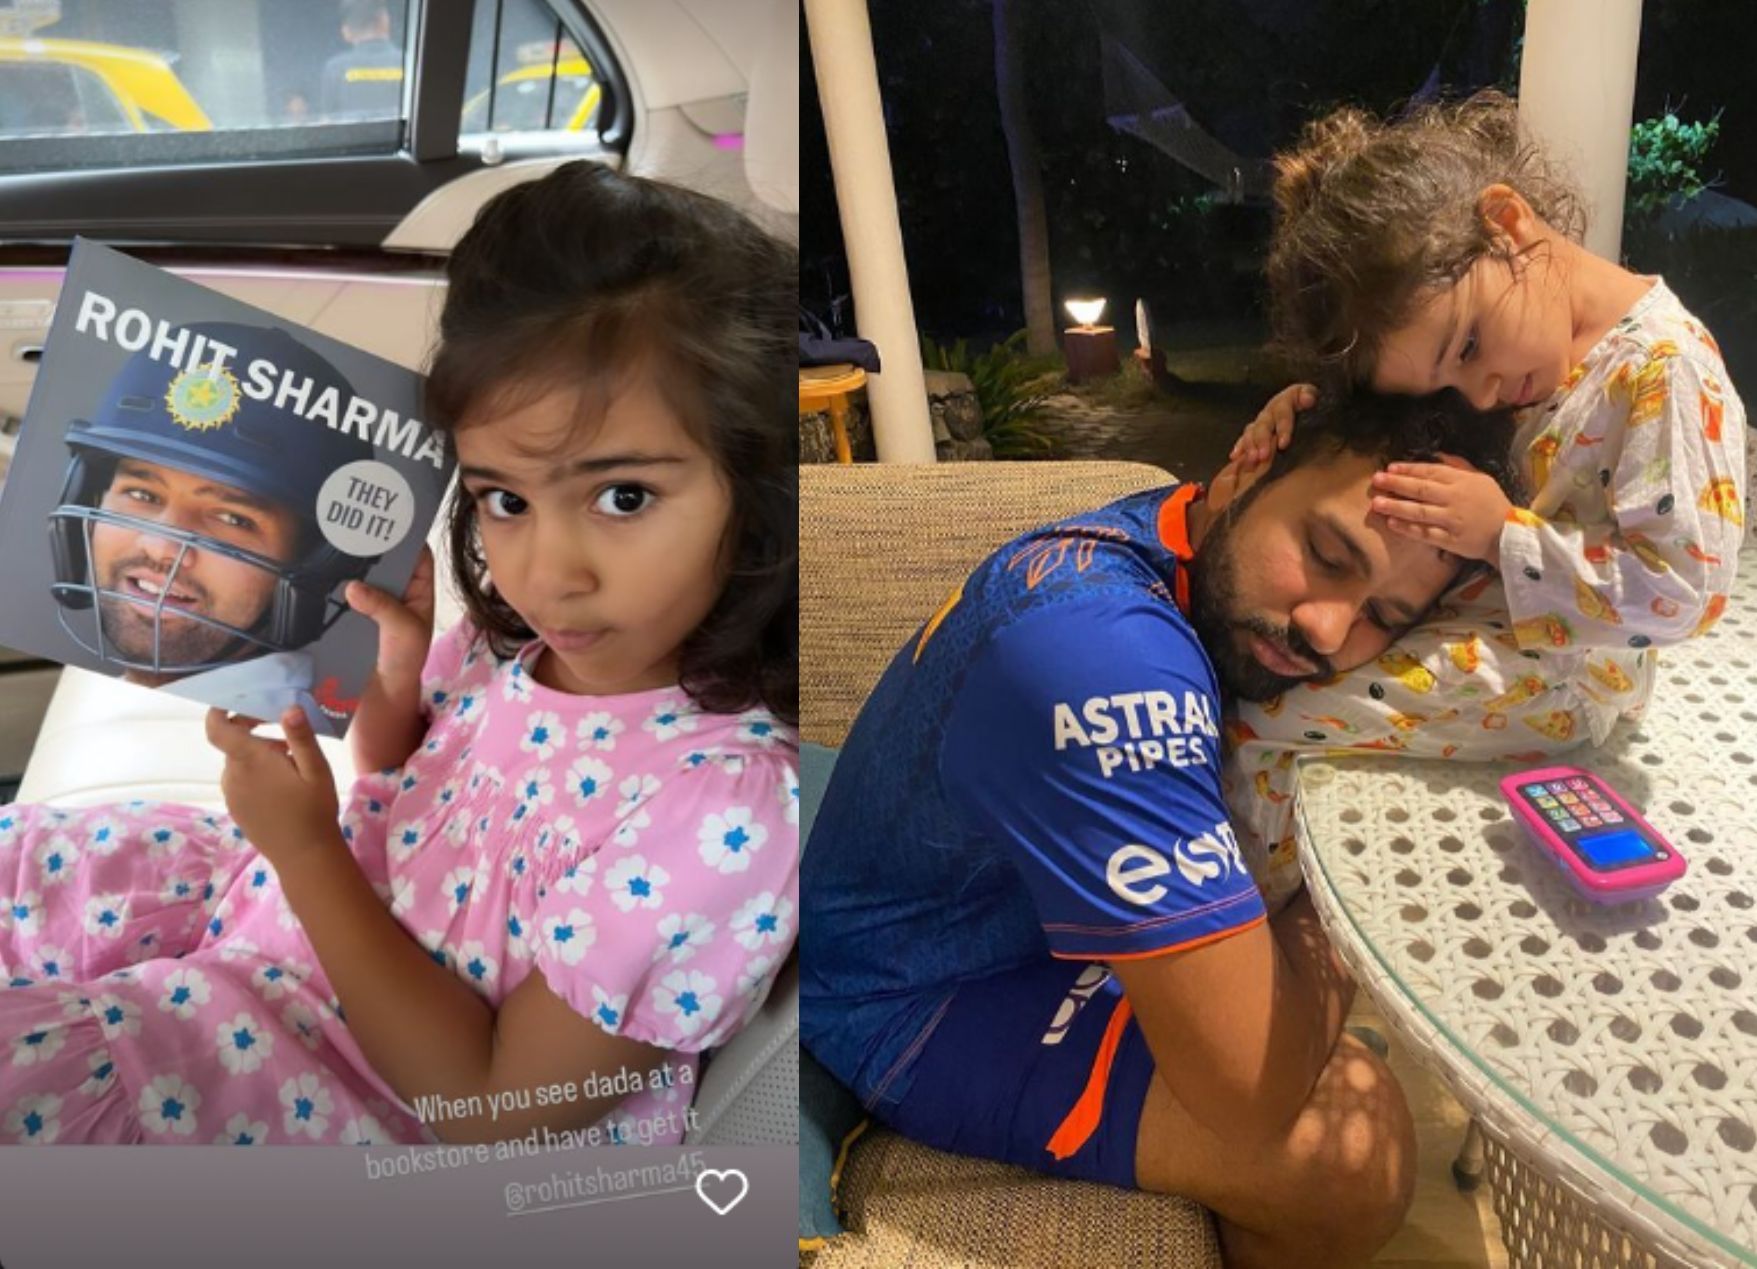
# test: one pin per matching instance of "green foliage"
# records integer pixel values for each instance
(1011, 386)
(1663, 156)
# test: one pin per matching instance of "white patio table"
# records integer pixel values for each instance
(1609, 1054)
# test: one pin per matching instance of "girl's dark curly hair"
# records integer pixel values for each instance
(572, 281)
(1372, 214)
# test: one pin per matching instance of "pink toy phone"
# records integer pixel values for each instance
(1600, 842)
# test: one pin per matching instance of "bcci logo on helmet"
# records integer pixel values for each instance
(203, 398)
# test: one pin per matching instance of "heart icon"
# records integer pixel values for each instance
(729, 1188)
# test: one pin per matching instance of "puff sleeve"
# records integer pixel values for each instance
(672, 935)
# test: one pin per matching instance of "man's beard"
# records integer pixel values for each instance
(128, 628)
(1213, 593)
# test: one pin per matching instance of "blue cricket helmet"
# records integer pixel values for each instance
(199, 420)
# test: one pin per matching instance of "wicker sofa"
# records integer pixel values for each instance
(880, 546)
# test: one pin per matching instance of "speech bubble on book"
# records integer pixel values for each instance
(365, 508)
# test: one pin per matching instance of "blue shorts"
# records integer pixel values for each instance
(1030, 1064)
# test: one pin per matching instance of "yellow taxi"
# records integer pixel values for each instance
(521, 102)
(62, 87)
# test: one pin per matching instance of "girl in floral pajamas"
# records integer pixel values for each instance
(577, 850)
(1439, 252)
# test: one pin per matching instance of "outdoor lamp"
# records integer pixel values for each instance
(1086, 312)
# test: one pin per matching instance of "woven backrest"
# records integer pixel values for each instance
(882, 544)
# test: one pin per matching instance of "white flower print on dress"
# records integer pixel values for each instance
(635, 790)
(518, 946)
(103, 836)
(629, 831)
(467, 702)
(259, 878)
(34, 1120)
(516, 684)
(607, 1010)
(10, 822)
(306, 1106)
(365, 1131)
(682, 936)
(117, 1017)
(671, 718)
(105, 915)
(74, 1004)
(634, 883)
(587, 779)
(687, 996)
(456, 887)
(577, 877)
(534, 791)
(55, 859)
(239, 950)
(100, 1074)
(25, 913)
(402, 895)
(51, 961)
(599, 730)
(185, 990)
(241, 1130)
(245, 1044)
(301, 1020)
(729, 839)
(565, 839)
(758, 728)
(404, 838)
(753, 979)
(788, 795)
(179, 889)
(274, 981)
(763, 922)
(448, 792)
(163, 841)
(168, 1104)
(478, 968)
(568, 937)
(543, 734)
(40, 1045)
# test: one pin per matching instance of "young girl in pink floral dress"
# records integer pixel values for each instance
(577, 855)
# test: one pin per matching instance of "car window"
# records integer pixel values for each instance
(105, 82)
(527, 74)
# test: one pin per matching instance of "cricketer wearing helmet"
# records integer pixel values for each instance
(185, 544)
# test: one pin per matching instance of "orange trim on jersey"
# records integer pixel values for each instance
(1174, 520)
(1174, 535)
(1081, 1122)
(1185, 946)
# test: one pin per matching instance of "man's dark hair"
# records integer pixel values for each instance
(1399, 429)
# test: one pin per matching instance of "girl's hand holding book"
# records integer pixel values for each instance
(280, 793)
(405, 628)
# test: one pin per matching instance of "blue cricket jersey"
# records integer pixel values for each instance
(1037, 774)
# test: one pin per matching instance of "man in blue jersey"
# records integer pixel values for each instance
(1030, 932)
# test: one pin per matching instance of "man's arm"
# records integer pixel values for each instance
(1241, 1027)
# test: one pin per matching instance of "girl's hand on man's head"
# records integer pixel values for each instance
(1449, 504)
(1272, 429)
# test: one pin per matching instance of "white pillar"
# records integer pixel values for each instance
(854, 121)
(1577, 96)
